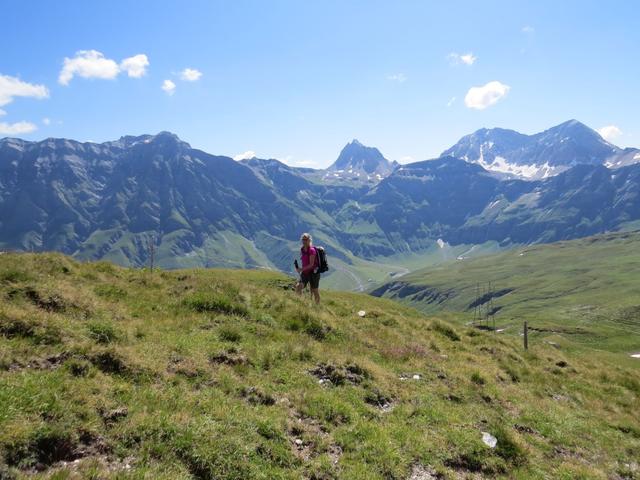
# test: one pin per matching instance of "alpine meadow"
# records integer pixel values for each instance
(341, 240)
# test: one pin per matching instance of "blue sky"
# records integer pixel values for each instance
(296, 80)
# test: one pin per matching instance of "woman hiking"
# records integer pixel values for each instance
(309, 271)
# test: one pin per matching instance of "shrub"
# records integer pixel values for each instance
(77, 367)
(201, 302)
(508, 449)
(34, 331)
(477, 378)
(109, 362)
(102, 332)
(13, 327)
(14, 276)
(303, 320)
(446, 330)
(229, 333)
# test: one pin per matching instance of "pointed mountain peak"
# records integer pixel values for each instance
(571, 125)
(359, 161)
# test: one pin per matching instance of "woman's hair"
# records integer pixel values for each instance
(305, 236)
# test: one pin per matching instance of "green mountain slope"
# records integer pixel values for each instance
(108, 372)
(585, 290)
(127, 199)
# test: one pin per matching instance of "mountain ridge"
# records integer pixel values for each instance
(540, 155)
(109, 200)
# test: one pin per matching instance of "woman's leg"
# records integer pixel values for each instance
(315, 293)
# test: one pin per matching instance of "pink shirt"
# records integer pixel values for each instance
(306, 259)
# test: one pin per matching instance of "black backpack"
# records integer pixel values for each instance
(323, 265)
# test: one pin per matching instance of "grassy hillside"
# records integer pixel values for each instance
(586, 290)
(108, 372)
(359, 274)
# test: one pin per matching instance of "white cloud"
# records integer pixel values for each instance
(245, 156)
(46, 121)
(528, 29)
(93, 64)
(397, 77)
(88, 64)
(610, 132)
(190, 74)
(11, 87)
(135, 66)
(17, 128)
(451, 101)
(484, 96)
(169, 87)
(2, 112)
(462, 58)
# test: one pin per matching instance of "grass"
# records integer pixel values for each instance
(582, 293)
(108, 372)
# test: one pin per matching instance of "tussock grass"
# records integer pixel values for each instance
(227, 375)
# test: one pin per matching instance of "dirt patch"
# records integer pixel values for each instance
(50, 303)
(255, 396)
(47, 363)
(184, 367)
(231, 356)
(422, 472)
(379, 400)
(112, 416)
(330, 374)
(50, 446)
(526, 429)
(109, 362)
(307, 435)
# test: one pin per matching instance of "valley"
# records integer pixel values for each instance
(581, 293)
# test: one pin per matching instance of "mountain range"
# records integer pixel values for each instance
(515, 155)
(124, 199)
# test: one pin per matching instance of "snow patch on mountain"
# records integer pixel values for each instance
(510, 154)
(529, 172)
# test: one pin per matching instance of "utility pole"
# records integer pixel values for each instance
(526, 336)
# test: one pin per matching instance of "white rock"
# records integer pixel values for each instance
(362, 313)
(416, 376)
(489, 440)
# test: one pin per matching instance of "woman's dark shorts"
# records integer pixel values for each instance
(313, 279)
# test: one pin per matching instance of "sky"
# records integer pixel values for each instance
(297, 80)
